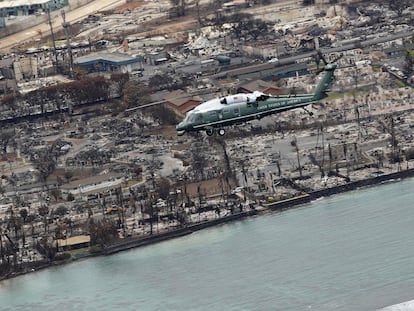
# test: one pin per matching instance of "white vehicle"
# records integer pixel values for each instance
(237, 190)
(273, 60)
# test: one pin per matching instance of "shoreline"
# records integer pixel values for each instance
(280, 206)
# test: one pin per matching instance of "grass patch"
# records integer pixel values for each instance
(79, 252)
(131, 183)
(333, 96)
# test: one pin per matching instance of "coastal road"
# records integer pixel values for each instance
(30, 34)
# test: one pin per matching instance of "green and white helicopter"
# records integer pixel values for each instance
(216, 114)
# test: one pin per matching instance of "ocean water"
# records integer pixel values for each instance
(353, 251)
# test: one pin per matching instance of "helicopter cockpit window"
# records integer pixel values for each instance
(189, 116)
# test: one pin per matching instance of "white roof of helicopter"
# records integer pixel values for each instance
(217, 103)
(208, 105)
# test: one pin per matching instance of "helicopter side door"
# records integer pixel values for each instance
(211, 116)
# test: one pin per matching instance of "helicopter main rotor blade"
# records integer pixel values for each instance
(146, 105)
(321, 57)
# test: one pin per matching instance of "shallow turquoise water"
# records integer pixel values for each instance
(354, 251)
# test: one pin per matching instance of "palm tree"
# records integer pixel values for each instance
(44, 211)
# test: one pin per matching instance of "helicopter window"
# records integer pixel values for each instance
(189, 117)
(236, 110)
(198, 117)
(226, 110)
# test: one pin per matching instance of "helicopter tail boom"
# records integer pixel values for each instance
(325, 83)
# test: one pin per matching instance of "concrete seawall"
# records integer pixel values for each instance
(277, 206)
(137, 242)
(362, 183)
(280, 205)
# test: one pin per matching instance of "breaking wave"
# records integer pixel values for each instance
(404, 306)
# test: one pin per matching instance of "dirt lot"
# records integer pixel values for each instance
(209, 187)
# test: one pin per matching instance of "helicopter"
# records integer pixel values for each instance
(216, 114)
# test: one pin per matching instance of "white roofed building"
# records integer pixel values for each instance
(29, 7)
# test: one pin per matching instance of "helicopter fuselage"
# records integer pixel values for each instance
(218, 113)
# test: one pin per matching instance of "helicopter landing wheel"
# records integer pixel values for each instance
(221, 132)
(209, 132)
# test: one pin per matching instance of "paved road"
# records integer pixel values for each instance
(32, 33)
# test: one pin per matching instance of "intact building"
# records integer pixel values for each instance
(181, 102)
(259, 85)
(109, 62)
(12, 8)
(92, 186)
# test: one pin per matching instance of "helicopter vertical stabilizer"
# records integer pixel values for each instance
(325, 83)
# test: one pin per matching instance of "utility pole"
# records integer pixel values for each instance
(65, 26)
(53, 40)
(295, 143)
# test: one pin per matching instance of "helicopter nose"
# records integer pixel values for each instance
(180, 129)
(180, 126)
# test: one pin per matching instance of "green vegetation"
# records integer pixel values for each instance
(96, 249)
(62, 256)
(131, 183)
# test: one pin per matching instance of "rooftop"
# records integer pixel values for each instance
(110, 58)
(17, 3)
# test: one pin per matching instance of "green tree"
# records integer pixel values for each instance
(61, 210)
